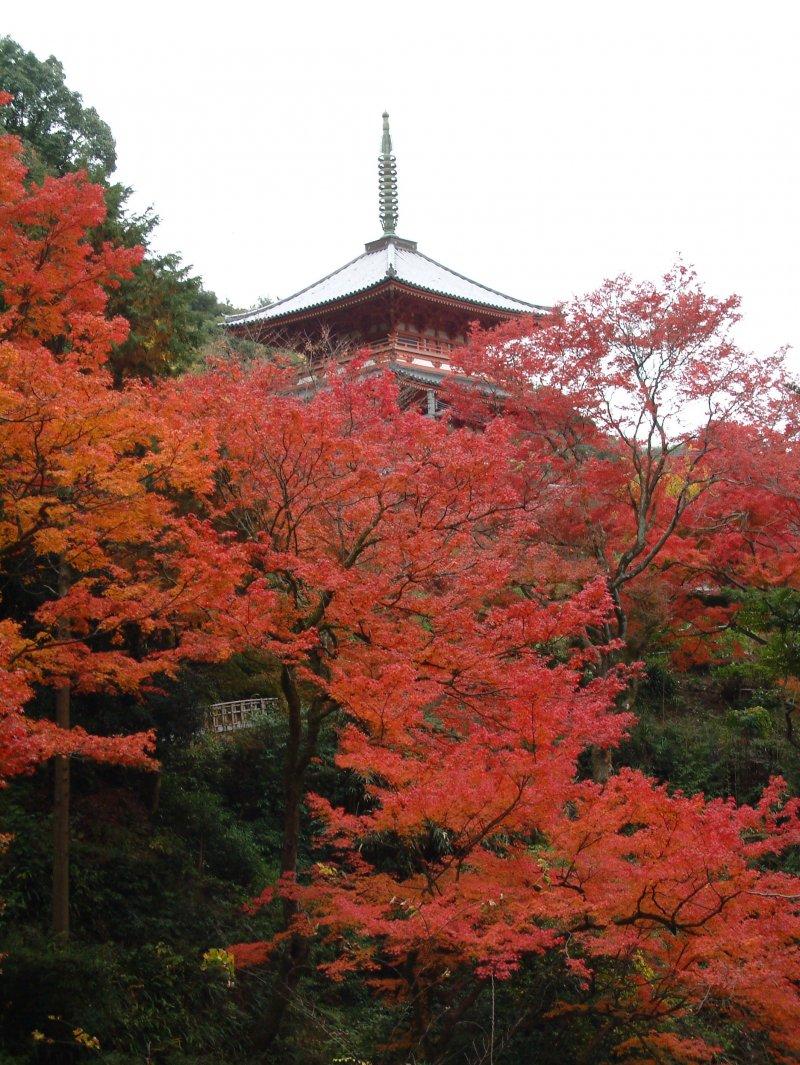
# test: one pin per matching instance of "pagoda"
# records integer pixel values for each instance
(408, 310)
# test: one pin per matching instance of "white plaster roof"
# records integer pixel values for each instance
(391, 259)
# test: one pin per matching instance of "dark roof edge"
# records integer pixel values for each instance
(537, 309)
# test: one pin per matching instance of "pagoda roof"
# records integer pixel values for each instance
(388, 259)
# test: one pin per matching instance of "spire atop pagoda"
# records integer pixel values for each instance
(387, 182)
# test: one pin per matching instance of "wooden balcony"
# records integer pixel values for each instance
(401, 346)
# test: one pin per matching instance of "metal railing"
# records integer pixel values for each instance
(236, 714)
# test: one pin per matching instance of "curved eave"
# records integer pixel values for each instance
(385, 284)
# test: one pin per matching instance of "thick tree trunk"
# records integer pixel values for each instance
(61, 797)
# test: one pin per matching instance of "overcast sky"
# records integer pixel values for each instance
(541, 146)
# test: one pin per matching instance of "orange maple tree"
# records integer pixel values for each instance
(104, 584)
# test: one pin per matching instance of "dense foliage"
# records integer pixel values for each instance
(525, 788)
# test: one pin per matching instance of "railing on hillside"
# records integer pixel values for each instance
(236, 714)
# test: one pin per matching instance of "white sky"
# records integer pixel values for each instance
(541, 146)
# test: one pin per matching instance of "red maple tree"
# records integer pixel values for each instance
(643, 427)
(372, 539)
(660, 455)
(428, 592)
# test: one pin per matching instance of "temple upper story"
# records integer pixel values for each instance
(408, 309)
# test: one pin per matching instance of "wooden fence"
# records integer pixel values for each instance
(236, 714)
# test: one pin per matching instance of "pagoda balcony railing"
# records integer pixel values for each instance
(413, 350)
(436, 350)
(419, 343)
(236, 714)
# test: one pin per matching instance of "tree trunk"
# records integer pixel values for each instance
(294, 954)
(61, 796)
(154, 790)
(293, 957)
(602, 758)
(601, 764)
